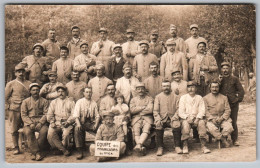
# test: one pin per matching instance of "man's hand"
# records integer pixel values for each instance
(38, 126)
(219, 120)
(100, 44)
(190, 120)
(158, 124)
(214, 121)
(95, 127)
(78, 127)
(196, 122)
(177, 91)
(128, 55)
(32, 126)
(53, 125)
(66, 125)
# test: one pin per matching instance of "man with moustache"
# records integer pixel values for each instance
(60, 118)
(180, 44)
(126, 84)
(165, 114)
(36, 65)
(85, 63)
(173, 59)
(74, 43)
(15, 92)
(63, 66)
(76, 87)
(130, 48)
(155, 47)
(142, 61)
(178, 86)
(108, 101)
(102, 49)
(33, 113)
(232, 88)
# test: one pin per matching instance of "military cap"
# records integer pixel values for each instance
(170, 42)
(117, 46)
(20, 66)
(102, 29)
(194, 26)
(215, 80)
(172, 26)
(64, 48)
(75, 72)
(191, 83)
(108, 113)
(61, 86)
(74, 27)
(202, 42)
(251, 73)
(52, 73)
(225, 63)
(33, 85)
(140, 84)
(175, 70)
(144, 42)
(38, 44)
(83, 43)
(100, 66)
(130, 31)
(154, 32)
(127, 65)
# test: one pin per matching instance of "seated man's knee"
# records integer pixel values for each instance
(122, 147)
(92, 149)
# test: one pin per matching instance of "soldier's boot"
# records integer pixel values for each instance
(38, 156)
(159, 142)
(185, 149)
(153, 143)
(236, 143)
(80, 153)
(225, 142)
(15, 137)
(203, 146)
(177, 140)
(159, 151)
(16, 150)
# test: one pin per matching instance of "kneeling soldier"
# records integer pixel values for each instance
(219, 123)
(33, 113)
(192, 112)
(165, 114)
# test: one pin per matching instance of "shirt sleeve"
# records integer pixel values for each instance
(50, 114)
(24, 114)
(156, 109)
(43, 119)
(213, 67)
(201, 109)
(95, 50)
(182, 108)
(227, 112)
(76, 113)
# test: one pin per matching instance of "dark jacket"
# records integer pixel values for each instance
(116, 73)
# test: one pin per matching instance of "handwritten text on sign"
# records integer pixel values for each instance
(107, 148)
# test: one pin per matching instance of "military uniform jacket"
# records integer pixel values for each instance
(106, 103)
(74, 48)
(76, 89)
(153, 85)
(114, 133)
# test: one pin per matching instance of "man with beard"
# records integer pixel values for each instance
(33, 113)
(173, 59)
(99, 83)
(63, 66)
(193, 41)
(153, 83)
(155, 47)
(165, 114)
(141, 108)
(48, 91)
(60, 118)
(178, 86)
(126, 84)
(192, 114)
(232, 88)
(51, 46)
(180, 44)
(87, 118)
(85, 63)
(219, 124)
(115, 65)
(108, 101)
(142, 61)
(36, 65)
(203, 68)
(15, 92)
(76, 87)
(102, 49)
(74, 43)
(130, 48)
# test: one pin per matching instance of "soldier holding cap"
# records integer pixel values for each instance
(60, 118)
(85, 63)
(193, 41)
(15, 92)
(74, 43)
(36, 65)
(33, 113)
(102, 49)
(232, 88)
(156, 47)
(76, 87)
(173, 59)
(180, 44)
(192, 114)
(178, 86)
(63, 66)
(142, 61)
(130, 48)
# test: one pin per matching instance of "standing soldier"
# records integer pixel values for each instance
(173, 59)
(76, 87)
(180, 44)
(85, 63)
(33, 112)
(155, 47)
(219, 124)
(130, 48)
(74, 43)
(142, 61)
(165, 114)
(15, 92)
(232, 88)
(178, 86)
(193, 41)
(63, 66)
(36, 68)
(102, 49)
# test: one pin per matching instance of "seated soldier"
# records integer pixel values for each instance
(33, 113)
(178, 85)
(165, 114)
(192, 113)
(109, 131)
(87, 119)
(60, 118)
(219, 123)
(141, 108)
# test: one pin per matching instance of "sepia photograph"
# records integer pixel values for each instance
(119, 83)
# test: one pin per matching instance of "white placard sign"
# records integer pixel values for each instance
(107, 148)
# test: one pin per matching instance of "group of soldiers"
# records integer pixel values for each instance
(122, 93)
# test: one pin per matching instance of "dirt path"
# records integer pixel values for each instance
(245, 152)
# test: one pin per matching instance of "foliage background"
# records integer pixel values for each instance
(233, 25)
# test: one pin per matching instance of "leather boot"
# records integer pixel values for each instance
(159, 138)
(80, 153)
(185, 149)
(225, 142)
(159, 151)
(16, 150)
(203, 146)
(177, 140)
